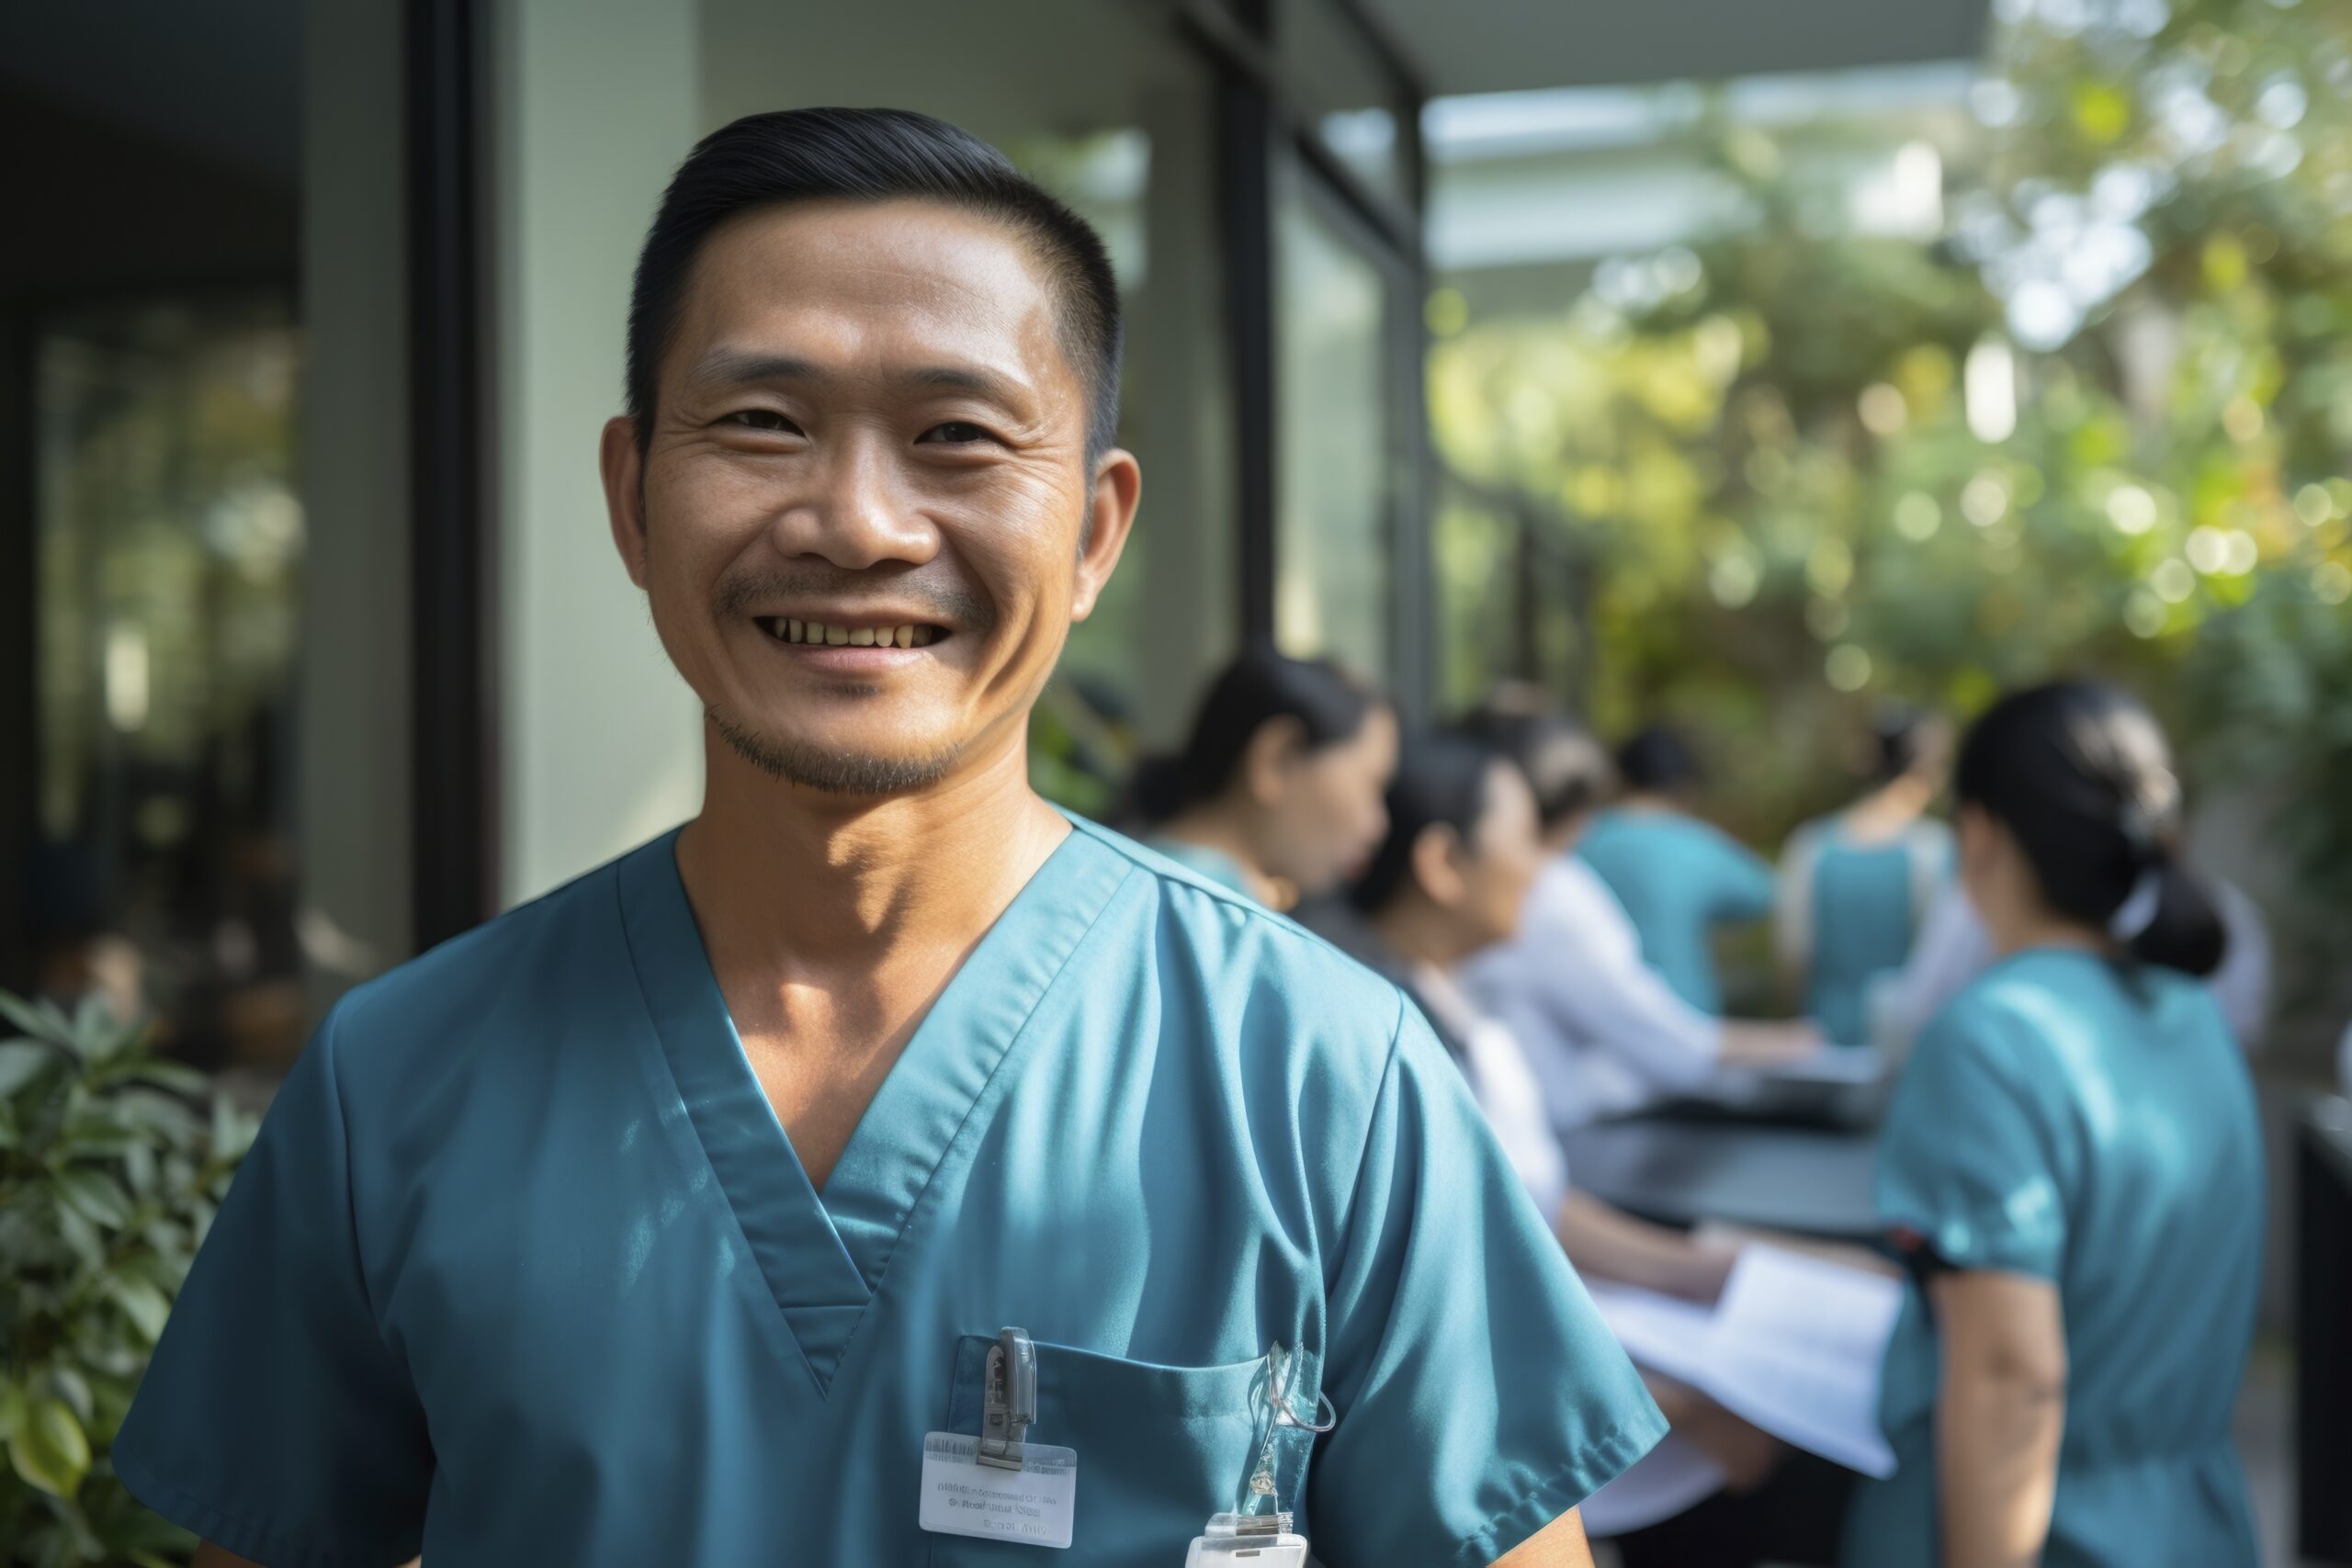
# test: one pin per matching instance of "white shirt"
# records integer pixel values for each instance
(1603, 1031)
(1954, 948)
(1504, 1086)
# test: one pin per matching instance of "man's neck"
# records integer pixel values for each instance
(804, 884)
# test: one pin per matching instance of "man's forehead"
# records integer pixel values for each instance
(962, 281)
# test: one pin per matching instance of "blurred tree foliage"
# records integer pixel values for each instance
(2095, 415)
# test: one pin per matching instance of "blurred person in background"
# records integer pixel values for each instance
(1954, 948)
(2072, 1169)
(1678, 877)
(1603, 1031)
(1856, 887)
(1464, 851)
(1277, 792)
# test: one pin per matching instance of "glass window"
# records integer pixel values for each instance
(1345, 92)
(1336, 466)
(169, 544)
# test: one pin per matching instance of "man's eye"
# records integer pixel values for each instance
(955, 433)
(761, 419)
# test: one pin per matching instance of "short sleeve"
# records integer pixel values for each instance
(1969, 1167)
(1478, 1394)
(273, 1419)
(1746, 887)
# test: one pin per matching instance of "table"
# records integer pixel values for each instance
(2323, 1328)
(1679, 1171)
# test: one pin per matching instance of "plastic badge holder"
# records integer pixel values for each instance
(1248, 1541)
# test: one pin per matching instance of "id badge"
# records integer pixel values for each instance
(1237, 1540)
(1034, 1504)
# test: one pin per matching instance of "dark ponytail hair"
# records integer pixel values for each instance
(2080, 774)
(1442, 780)
(1258, 687)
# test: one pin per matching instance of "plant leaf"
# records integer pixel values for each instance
(146, 1306)
(177, 1076)
(79, 1236)
(75, 1389)
(50, 1450)
(21, 1061)
(96, 1196)
(26, 1017)
(233, 1130)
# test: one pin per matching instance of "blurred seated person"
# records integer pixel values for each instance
(1678, 876)
(1463, 848)
(1856, 887)
(2072, 1169)
(1603, 1032)
(1277, 792)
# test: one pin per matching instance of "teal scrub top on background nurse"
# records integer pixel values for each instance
(1679, 878)
(1859, 906)
(2094, 1127)
(524, 1269)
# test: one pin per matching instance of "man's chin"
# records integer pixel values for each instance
(834, 770)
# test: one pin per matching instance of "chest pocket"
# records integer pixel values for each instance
(1159, 1449)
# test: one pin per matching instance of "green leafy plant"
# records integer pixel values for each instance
(112, 1162)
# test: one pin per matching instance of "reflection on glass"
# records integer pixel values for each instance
(169, 553)
(1332, 555)
(1350, 96)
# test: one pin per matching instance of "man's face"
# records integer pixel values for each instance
(859, 513)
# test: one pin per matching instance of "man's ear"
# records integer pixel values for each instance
(622, 464)
(1110, 517)
(1436, 865)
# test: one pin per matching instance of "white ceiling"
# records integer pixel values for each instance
(1493, 46)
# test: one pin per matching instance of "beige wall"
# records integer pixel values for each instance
(597, 101)
(354, 692)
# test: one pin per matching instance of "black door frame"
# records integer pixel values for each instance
(1261, 126)
(453, 559)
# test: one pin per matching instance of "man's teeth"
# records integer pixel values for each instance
(852, 636)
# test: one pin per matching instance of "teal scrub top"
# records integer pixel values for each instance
(1865, 901)
(2094, 1127)
(1679, 878)
(524, 1269)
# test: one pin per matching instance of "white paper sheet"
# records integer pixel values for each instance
(1670, 1478)
(1794, 1346)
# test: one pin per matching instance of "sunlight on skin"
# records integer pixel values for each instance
(1559, 1544)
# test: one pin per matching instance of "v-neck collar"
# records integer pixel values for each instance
(823, 1256)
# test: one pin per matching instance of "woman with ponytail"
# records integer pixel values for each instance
(2073, 1170)
(1277, 794)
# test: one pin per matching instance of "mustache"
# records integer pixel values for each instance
(940, 598)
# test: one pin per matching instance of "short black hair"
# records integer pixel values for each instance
(1659, 762)
(790, 156)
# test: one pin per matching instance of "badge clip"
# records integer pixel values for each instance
(1012, 1400)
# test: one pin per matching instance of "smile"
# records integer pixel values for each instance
(822, 634)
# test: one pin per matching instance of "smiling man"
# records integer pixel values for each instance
(884, 1168)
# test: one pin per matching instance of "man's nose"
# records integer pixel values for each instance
(858, 513)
